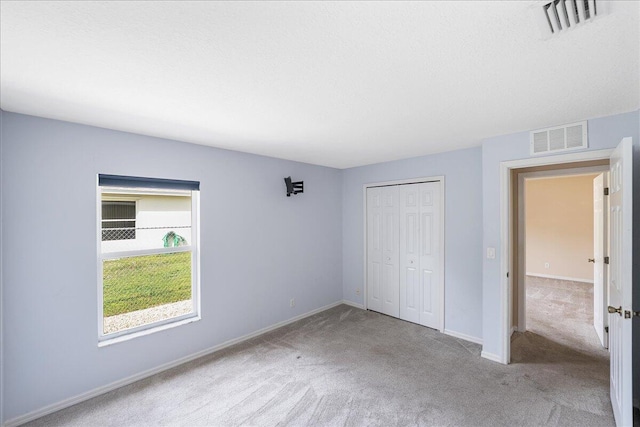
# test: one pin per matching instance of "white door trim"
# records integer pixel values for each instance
(506, 250)
(436, 178)
(522, 243)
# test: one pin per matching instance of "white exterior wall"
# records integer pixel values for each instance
(167, 212)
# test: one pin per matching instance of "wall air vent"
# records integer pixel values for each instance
(559, 138)
(560, 15)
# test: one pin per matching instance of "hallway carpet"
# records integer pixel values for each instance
(350, 367)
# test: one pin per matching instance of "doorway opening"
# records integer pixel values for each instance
(558, 302)
(510, 261)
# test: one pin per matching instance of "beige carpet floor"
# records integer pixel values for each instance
(350, 367)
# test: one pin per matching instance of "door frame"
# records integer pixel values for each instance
(506, 231)
(521, 324)
(437, 178)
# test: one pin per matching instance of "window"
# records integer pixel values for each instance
(148, 254)
(118, 220)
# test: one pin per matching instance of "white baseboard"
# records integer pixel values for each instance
(491, 356)
(513, 329)
(353, 304)
(22, 419)
(463, 336)
(551, 276)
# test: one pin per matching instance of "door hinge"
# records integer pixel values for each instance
(606, 260)
(606, 191)
(507, 274)
(606, 329)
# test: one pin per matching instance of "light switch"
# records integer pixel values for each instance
(491, 253)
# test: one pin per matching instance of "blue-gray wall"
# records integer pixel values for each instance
(258, 249)
(462, 170)
(604, 133)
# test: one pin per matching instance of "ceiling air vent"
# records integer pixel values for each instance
(561, 15)
(559, 138)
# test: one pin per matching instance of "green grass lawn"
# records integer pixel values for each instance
(135, 283)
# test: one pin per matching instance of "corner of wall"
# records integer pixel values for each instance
(342, 263)
(635, 339)
(1, 283)
(343, 200)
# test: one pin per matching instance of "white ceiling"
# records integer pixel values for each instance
(339, 84)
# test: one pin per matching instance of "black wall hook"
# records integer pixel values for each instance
(293, 187)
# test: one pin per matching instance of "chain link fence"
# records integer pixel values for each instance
(128, 233)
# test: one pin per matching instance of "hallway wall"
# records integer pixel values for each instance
(559, 227)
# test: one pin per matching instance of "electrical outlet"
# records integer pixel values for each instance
(357, 291)
(292, 302)
(546, 265)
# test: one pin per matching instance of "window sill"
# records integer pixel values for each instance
(106, 341)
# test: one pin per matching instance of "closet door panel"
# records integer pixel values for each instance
(409, 253)
(374, 249)
(390, 256)
(429, 237)
(382, 250)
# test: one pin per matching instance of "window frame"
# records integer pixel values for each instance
(194, 247)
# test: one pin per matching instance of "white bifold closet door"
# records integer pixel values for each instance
(403, 252)
(383, 243)
(419, 253)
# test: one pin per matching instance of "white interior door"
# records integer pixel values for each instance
(600, 300)
(620, 268)
(430, 253)
(383, 281)
(410, 253)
